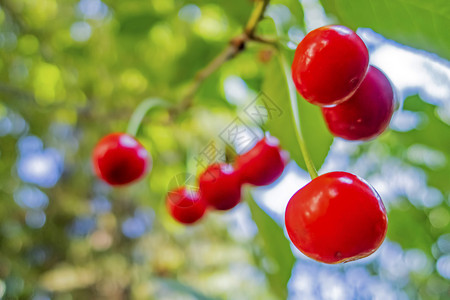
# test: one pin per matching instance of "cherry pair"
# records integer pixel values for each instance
(219, 188)
(331, 69)
(338, 217)
(220, 184)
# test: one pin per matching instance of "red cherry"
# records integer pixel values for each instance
(264, 163)
(335, 218)
(119, 159)
(329, 64)
(220, 186)
(185, 205)
(367, 113)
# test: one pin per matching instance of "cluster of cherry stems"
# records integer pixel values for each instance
(337, 217)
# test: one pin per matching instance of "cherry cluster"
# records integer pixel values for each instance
(220, 185)
(331, 69)
(119, 159)
(338, 217)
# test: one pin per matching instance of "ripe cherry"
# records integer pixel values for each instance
(264, 163)
(185, 205)
(220, 186)
(335, 218)
(329, 64)
(119, 159)
(367, 113)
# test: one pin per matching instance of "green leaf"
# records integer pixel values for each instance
(316, 135)
(410, 227)
(417, 23)
(275, 248)
(296, 9)
(433, 133)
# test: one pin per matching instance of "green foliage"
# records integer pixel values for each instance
(420, 24)
(183, 289)
(275, 256)
(296, 10)
(316, 134)
(426, 148)
(403, 228)
(433, 134)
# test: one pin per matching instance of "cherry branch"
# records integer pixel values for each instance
(235, 46)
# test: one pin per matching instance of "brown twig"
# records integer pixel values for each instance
(13, 91)
(229, 52)
(265, 40)
(235, 46)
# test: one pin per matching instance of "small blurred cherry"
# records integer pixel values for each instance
(185, 205)
(335, 218)
(220, 186)
(329, 65)
(120, 159)
(264, 163)
(367, 113)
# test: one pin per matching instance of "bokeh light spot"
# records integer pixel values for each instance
(35, 219)
(189, 13)
(443, 266)
(81, 31)
(31, 198)
(41, 168)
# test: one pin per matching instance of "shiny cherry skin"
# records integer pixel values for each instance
(264, 163)
(220, 186)
(119, 159)
(185, 205)
(335, 218)
(329, 64)
(367, 113)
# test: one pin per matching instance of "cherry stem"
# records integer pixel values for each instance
(141, 111)
(256, 16)
(296, 120)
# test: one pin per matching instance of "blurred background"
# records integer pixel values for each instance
(73, 71)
